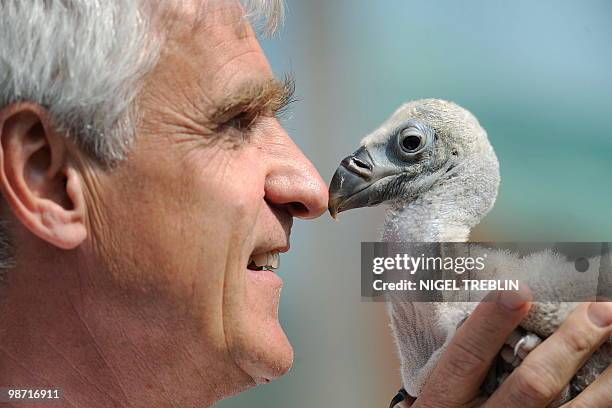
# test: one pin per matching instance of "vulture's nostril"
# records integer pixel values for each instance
(362, 164)
(358, 166)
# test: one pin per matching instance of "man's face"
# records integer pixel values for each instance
(212, 180)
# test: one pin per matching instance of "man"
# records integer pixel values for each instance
(148, 189)
(131, 283)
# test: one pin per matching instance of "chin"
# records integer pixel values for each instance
(265, 354)
(256, 340)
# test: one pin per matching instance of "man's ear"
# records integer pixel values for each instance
(37, 179)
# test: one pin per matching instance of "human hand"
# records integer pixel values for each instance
(457, 378)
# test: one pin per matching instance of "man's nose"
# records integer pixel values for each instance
(294, 183)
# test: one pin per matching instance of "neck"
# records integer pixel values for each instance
(425, 221)
(60, 328)
(449, 210)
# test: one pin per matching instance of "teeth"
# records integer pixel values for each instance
(260, 259)
(275, 259)
(268, 260)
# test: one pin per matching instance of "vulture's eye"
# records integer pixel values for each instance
(411, 140)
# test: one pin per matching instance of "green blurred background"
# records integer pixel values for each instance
(537, 74)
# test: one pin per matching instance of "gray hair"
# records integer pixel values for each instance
(83, 60)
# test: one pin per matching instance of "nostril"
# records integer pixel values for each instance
(298, 209)
(361, 164)
(358, 166)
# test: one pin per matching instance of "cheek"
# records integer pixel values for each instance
(232, 179)
(229, 200)
(175, 227)
(232, 199)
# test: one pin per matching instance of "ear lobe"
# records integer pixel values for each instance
(37, 178)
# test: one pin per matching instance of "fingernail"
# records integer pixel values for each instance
(600, 313)
(515, 299)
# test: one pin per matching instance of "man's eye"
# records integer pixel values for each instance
(242, 121)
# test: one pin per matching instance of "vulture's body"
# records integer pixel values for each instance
(431, 161)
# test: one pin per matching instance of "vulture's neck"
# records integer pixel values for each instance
(425, 220)
(448, 211)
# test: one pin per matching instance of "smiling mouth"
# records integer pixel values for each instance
(266, 261)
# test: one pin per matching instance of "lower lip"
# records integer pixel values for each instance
(265, 276)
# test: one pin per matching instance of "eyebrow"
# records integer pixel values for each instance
(266, 97)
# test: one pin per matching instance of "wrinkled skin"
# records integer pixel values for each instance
(155, 293)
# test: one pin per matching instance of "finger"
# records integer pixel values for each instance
(547, 369)
(596, 395)
(457, 377)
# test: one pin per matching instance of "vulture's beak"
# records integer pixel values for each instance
(349, 187)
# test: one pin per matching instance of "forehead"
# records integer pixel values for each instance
(177, 18)
(210, 48)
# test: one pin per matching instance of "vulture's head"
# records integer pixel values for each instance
(430, 149)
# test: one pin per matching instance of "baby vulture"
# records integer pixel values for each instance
(432, 163)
